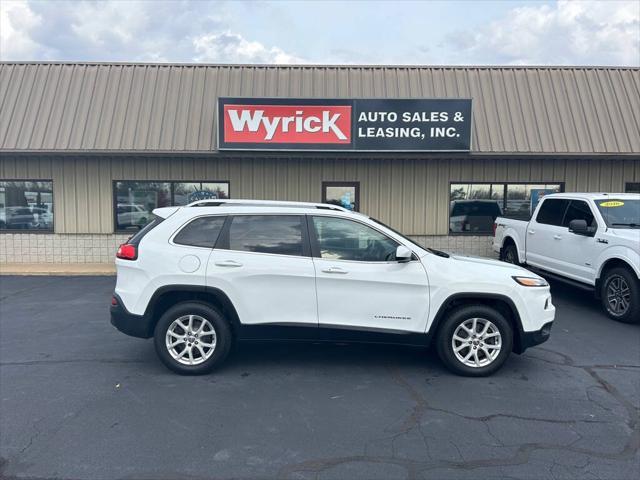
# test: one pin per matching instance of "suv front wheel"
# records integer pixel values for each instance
(475, 340)
(192, 338)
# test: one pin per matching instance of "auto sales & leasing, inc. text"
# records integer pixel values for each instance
(348, 124)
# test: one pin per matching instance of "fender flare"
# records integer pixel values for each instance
(518, 331)
(509, 234)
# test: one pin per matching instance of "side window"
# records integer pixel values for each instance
(552, 211)
(278, 234)
(579, 210)
(342, 239)
(201, 232)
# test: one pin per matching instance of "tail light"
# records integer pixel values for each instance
(126, 251)
(495, 226)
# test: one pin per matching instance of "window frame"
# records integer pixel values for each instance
(502, 203)
(224, 239)
(114, 195)
(341, 183)
(315, 244)
(38, 231)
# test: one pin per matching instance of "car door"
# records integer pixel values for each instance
(545, 235)
(579, 252)
(360, 285)
(263, 263)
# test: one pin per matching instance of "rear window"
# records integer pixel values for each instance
(201, 232)
(552, 211)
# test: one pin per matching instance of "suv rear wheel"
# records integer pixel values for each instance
(192, 338)
(621, 295)
(475, 340)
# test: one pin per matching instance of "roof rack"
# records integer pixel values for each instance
(265, 203)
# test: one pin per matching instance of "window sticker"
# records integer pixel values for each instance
(612, 203)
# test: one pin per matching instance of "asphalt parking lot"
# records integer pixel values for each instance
(79, 400)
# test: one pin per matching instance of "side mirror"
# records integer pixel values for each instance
(403, 254)
(579, 227)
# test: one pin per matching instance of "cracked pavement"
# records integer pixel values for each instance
(79, 400)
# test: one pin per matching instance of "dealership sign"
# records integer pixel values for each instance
(357, 125)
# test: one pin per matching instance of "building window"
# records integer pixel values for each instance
(26, 205)
(632, 187)
(344, 194)
(134, 201)
(474, 206)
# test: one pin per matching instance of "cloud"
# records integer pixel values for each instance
(568, 32)
(230, 47)
(112, 30)
(16, 19)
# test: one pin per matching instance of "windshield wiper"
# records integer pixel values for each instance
(439, 253)
(625, 224)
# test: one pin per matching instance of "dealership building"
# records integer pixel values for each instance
(88, 150)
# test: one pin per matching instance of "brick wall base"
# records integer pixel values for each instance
(80, 248)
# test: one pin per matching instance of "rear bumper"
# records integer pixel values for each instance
(133, 325)
(530, 339)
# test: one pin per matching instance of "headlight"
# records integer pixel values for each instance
(531, 282)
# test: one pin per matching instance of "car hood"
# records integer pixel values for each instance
(629, 236)
(481, 262)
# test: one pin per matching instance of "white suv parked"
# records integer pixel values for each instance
(200, 277)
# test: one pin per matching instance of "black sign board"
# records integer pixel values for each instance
(420, 125)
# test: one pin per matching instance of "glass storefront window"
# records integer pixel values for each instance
(26, 205)
(187, 192)
(344, 194)
(475, 206)
(632, 187)
(522, 199)
(135, 201)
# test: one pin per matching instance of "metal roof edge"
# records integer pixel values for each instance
(253, 153)
(313, 65)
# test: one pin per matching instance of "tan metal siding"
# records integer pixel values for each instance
(410, 194)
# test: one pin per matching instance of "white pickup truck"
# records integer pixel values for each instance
(589, 239)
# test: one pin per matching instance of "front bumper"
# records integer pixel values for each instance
(530, 339)
(134, 325)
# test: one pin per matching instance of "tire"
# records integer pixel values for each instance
(454, 324)
(207, 350)
(510, 254)
(620, 295)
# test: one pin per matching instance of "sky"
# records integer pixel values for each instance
(562, 32)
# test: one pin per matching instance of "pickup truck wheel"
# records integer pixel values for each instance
(192, 338)
(621, 295)
(510, 254)
(475, 341)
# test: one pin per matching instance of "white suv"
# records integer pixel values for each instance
(200, 277)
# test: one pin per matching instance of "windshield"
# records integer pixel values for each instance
(620, 213)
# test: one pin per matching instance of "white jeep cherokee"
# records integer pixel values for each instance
(200, 277)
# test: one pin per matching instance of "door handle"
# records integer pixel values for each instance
(557, 237)
(531, 232)
(334, 270)
(228, 263)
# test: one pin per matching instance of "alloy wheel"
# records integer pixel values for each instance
(191, 339)
(476, 342)
(618, 295)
